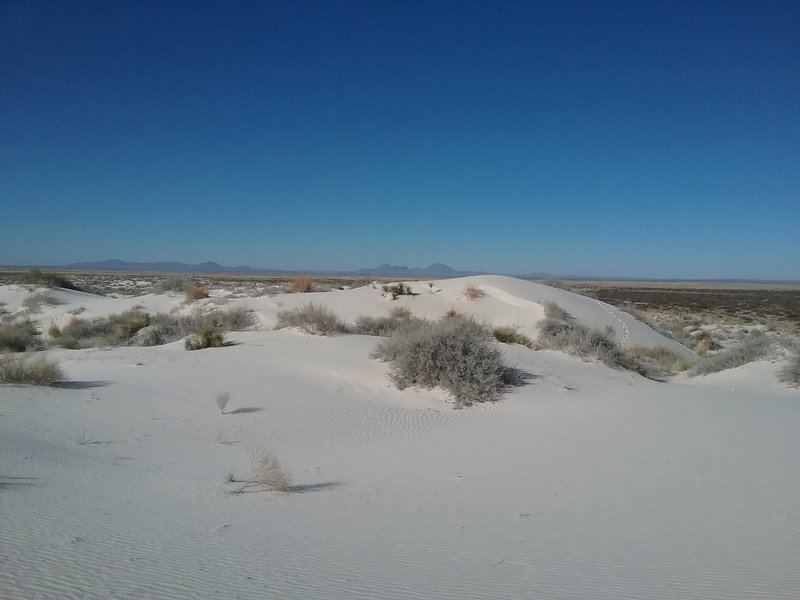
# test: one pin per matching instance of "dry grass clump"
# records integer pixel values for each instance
(380, 326)
(473, 292)
(194, 293)
(311, 318)
(400, 312)
(790, 373)
(208, 338)
(661, 359)
(585, 342)
(398, 289)
(455, 354)
(753, 346)
(554, 311)
(510, 335)
(302, 284)
(222, 399)
(266, 474)
(172, 283)
(113, 330)
(450, 313)
(18, 335)
(29, 369)
(34, 302)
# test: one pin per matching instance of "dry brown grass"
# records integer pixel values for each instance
(195, 293)
(473, 292)
(266, 474)
(302, 284)
(30, 369)
(451, 313)
(400, 312)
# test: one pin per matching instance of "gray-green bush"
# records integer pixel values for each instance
(38, 277)
(754, 346)
(454, 354)
(18, 335)
(29, 369)
(586, 342)
(790, 373)
(398, 289)
(311, 318)
(554, 311)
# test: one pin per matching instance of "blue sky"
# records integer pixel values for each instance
(599, 138)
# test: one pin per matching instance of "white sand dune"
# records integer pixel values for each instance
(585, 483)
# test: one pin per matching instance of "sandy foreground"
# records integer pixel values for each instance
(586, 482)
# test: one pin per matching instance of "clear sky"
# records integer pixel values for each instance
(657, 139)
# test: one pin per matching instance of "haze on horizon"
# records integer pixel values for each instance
(643, 139)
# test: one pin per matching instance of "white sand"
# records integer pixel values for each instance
(585, 483)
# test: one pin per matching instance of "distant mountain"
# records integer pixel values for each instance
(177, 267)
(434, 270)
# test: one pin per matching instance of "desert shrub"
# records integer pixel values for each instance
(194, 293)
(510, 335)
(34, 370)
(754, 346)
(554, 311)
(266, 474)
(380, 326)
(208, 338)
(357, 283)
(586, 342)
(18, 336)
(113, 330)
(473, 292)
(450, 313)
(400, 312)
(172, 283)
(455, 354)
(790, 373)
(311, 318)
(38, 277)
(396, 290)
(222, 399)
(302, 285)
(34, 302)
(661, 359)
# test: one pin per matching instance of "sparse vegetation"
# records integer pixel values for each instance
(266, 474)
(660, 359)
(790, 373)
(38, 277)
(451, 313)
(208, 338)
(380, 326)
(302, 284)
(29, 369)
(194, 293)
(510, 335)
(311, 318)
(222, 399)
(455, 354)
(554, 311)
(756, 345)
(400, 312)
(398, 289)
(34, 302)
(584, 342)
(18, 335)
(137, 328)
(473, 292)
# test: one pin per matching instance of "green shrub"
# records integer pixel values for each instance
(380, 326)
(510, 335)
(33, 370)
(311, 318)
(208, 338)
(455, 354)
(113, 330)
(398, 289)
(660, 359)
